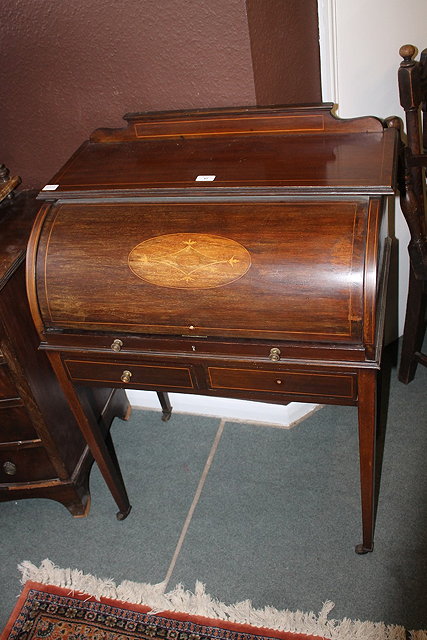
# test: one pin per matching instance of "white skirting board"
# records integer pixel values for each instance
(227, 408)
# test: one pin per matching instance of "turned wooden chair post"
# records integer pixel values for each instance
(412, 78)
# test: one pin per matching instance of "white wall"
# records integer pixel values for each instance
(359, 48)
(229, 408)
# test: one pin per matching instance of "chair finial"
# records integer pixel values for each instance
(407, 51)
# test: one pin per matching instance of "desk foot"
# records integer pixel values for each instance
(361, 550)
(122, 515)
(165, 404)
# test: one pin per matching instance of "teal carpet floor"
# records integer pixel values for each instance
(252, 511)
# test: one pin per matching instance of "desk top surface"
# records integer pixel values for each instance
(277, 151)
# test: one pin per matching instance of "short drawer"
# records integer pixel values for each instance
(298, 383)
(15, 423)
(130, 375)
(7, 387)
(25, 465)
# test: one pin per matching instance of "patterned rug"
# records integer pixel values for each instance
(46, 612)
(67, 604)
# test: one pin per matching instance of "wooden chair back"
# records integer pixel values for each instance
(412, 79)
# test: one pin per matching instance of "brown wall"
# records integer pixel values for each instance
(284, 38)
(70, 67)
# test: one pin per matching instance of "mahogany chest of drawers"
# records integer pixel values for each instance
(235, 253)
(42, 451)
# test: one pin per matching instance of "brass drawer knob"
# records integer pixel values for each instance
(9, 468)
(117, 345)
(279, 381)
(274, 354)
(126, 376)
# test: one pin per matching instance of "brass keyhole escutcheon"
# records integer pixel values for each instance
(117, 345)
(274, 354)
(126, 376)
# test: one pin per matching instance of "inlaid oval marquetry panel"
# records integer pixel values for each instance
(189, 260)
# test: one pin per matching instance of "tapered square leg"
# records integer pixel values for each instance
(165, 404)
(101, 448)
(367, 435)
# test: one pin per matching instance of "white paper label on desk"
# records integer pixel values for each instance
(50, 187)
(205, 178)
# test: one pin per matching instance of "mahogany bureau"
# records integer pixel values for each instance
(235, 252)
(42, 452)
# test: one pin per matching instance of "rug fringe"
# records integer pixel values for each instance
(202, 604)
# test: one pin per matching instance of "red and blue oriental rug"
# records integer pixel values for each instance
(46, 612)
(66, 604)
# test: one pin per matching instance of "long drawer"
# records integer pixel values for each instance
(299, 383)
(130, 374)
